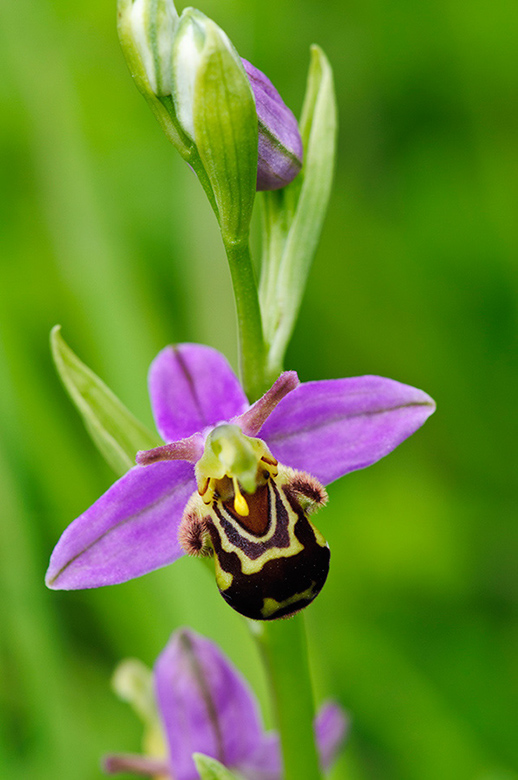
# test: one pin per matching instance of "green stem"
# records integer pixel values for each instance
(282, 642)
(283, 647)
(251, 342)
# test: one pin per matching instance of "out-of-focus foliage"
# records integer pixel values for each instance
(105, 231)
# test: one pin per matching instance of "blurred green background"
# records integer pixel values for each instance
(106, 231)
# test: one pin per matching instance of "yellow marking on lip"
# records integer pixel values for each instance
(318, 536)
(224, 579)
(252, 566)
(270, 606)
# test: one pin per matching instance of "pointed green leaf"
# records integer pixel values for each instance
(293, 218)
(210, 769)
(114, 430)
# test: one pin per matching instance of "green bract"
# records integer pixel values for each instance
(293, 216)
(210, 769)
(115, 431)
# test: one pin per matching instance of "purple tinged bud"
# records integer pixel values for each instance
(280, 144)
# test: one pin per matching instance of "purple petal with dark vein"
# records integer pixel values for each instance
(335, 426)
(191, 387)
(143, 766)
(205, 705)
(280, 144)
(331, 729)
(131, 530)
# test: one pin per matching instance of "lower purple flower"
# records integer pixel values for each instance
(217, 489)
(205, 706)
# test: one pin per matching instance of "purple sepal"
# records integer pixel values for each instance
(192, 387)
(131, 530)
(331, 427)
(280, 144)
(331, 730)
(205, 705)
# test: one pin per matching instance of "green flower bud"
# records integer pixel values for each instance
(146, 33)
(149, 27)
(215, 108)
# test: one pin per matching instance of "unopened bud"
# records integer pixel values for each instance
(198, 38)
(280, 144)
(149, 27)
(215, 107)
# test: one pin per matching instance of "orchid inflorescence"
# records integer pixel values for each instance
(239, 470)
(169, 55)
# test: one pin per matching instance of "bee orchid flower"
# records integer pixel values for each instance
(235, 481)
(203, 705)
